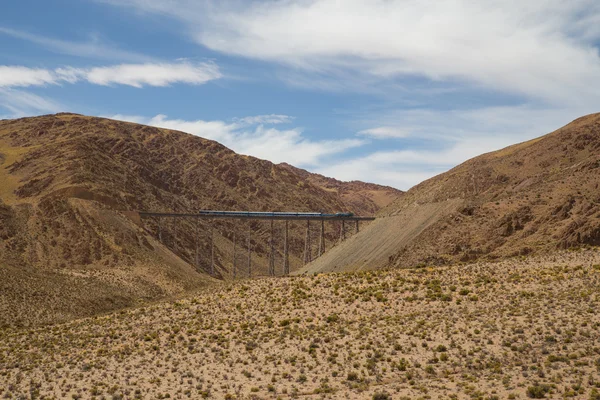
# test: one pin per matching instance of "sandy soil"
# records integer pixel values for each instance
(513, 329)
(380, 239)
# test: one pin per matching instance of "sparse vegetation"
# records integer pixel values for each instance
(531, 336)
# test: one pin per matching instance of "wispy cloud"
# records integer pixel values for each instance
(136, 75)
(13, 76)
(21, 103)
(385, 132)
(405, 168)
(252, 136)
(541, 49)
(93, 48)
(139, 75)
(498, 125)
(447, 138)
(450, 79)
(265, 119)
(453, 137)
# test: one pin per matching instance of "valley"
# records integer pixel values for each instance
(480, 283)
(513, 329)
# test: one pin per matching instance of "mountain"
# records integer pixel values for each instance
(361, 197)
(70, 242)
(532, 197)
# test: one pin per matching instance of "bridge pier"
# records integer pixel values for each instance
(272, 253)
(307, 244)
(196, 233)
(343, 231)
(249, 253)
(322, 239)
(212, 251)
(159, 231)
(286, 258)
(234, 251)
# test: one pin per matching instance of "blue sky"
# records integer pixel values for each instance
(386, 91)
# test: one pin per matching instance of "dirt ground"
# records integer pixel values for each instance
(514, 329)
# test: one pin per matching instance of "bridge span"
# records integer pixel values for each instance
(271, 216)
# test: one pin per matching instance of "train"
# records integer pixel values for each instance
(275, 214)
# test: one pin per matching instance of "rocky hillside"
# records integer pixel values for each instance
(69, 247)
(361, 197)
(532, 197)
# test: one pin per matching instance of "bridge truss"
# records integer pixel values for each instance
(271, 216)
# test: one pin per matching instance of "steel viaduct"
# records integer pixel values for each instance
(271, 216)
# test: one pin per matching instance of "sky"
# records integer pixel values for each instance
(386, 91)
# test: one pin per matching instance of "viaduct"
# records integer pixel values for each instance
(270, 216)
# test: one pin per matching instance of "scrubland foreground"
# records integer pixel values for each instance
(520, 328)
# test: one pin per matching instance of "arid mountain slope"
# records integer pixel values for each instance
(360, 197)
(535, 196)
(68, 243)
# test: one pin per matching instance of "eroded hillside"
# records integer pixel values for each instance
(67, 182)
(361, 197)
(536, 196)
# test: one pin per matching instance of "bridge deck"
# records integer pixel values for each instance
(260, 215)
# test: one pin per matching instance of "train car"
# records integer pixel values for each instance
(267, 214)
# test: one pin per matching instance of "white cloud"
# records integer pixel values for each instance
(265, 119)
(448, 138)
(444, 140)
(94, 48)
(451, 137)
(21, 76)
(502, 125)
(68, 74)
(405, 168)
(22, 104)
(250, 136)
(542, 52)
(542, 49)
(385, 132)
(136, 75)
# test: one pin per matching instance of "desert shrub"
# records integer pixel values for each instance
(333, 318)
(352, 376)
(324, 388)
(552, 358)
(537, 391)
(381, 396)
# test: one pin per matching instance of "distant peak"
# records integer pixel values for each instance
(67, 113)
